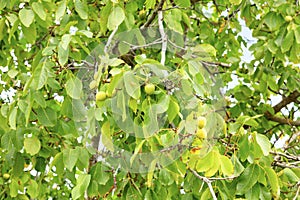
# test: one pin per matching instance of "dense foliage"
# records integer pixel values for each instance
(149, 99)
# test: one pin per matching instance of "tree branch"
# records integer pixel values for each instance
(150, 20)
(207, 181)
(281, 120)
(109, 40)
(163, 37)
(284, 102)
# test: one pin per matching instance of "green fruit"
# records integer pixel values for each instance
(288, 18)
(6, 176)
(201, 134)
(149, 88)
(93, 84)
(101, 96)
(201, 122)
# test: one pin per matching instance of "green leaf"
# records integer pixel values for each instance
(70, 157)
(82, 9)
(63, 54)
(40, 75)
(150, 4)
(74, 88)
(61, 8)
(38, 8)
(106, 136)
(13, 188)
(83, 182)
(205, 163)
(151, 172)
(33, 189)
(297, 34)
(216, 165)
(13, 118)
(136, 151)
(287, 41)
(32, 145)
(2, 27)
(264, 143)
(235, 2)
(132, 85)
(18, 167)
(273, 20)
(116, 17)
(46, 116)
(26, 16)
(100, 174)
(247, 179)
(173, 110)
(58, 162)
(273, 180)
(226, 166)
(183, 3)
(30, 33)
(83, 158)
(65, 40)
(173, 20)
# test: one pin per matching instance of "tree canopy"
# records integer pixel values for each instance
(149, 99)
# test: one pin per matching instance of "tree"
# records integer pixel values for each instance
(149, 99)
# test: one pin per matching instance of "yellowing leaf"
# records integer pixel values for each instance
(115, 18)
(106, 136)
(235, 2)
(226, 166)
(273, 180)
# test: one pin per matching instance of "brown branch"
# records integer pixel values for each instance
(288, 156)
(281, 120)
(152, 17)
(284, 102)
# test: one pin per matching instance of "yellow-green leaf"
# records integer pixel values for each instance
(32, 145)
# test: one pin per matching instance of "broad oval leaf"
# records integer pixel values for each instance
(132, 85)
(38, 8)
(82, 9)
(26, 16)
(226, 165)
(32, 145)
(115, 18)
(74, 88)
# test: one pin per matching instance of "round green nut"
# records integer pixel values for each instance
(149, 88)
(288, 18)
(101, 96)
(6, 176)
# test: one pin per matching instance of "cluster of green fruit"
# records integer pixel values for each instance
(201, 133)
(101, 95)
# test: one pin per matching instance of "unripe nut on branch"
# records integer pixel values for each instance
(149, 88)
(101, 96)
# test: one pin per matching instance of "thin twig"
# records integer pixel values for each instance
(134, 47)
(163, 37)
(149, 21)
(298, 190)
(109, 40)
(207, 181)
